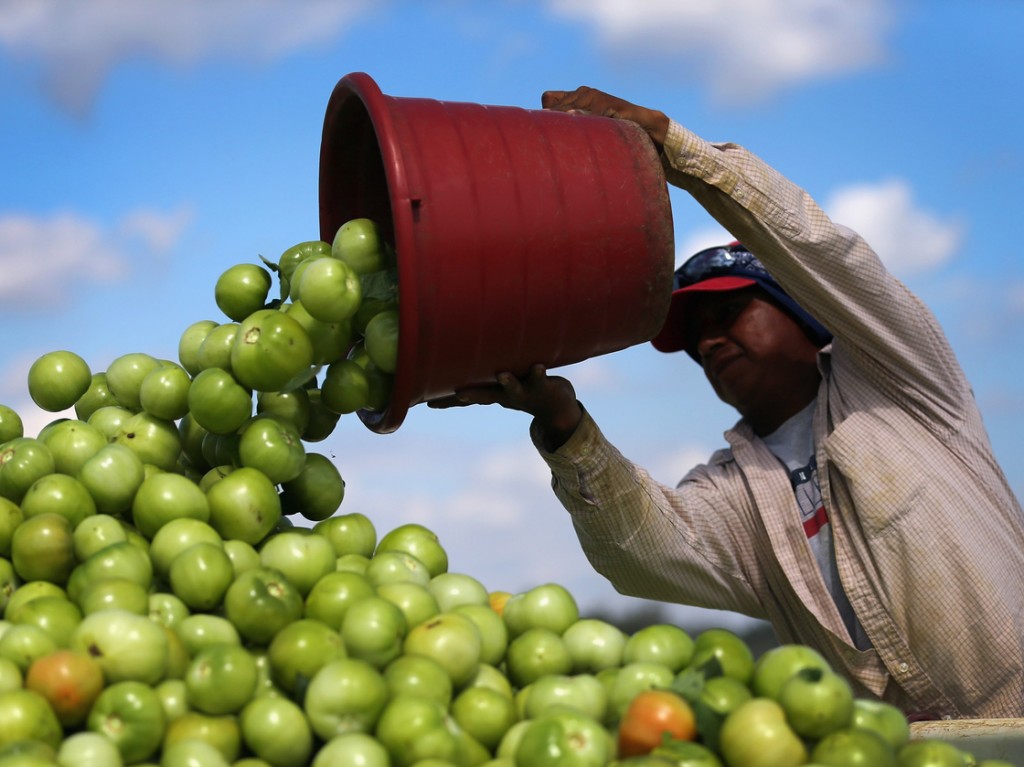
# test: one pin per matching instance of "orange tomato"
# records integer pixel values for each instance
(650, 717)
(69, 680)
(497, 600)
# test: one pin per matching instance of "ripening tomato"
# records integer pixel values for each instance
(69, 680)
(650, 716)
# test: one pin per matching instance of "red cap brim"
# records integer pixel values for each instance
(672, 336)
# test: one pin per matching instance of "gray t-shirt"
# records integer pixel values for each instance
(793, 444)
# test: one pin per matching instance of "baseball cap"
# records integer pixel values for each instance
(727, 267)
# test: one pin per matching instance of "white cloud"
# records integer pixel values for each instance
(741, 49)
(75, 45)
(42, 257)
(909, 239)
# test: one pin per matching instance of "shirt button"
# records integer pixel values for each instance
(903, 667)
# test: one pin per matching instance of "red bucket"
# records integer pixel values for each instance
(521, 236)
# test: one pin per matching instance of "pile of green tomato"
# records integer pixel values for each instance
(178, 586)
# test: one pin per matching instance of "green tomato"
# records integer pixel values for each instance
(96, 396)
(330, 339)
(218, 402)
(241, 290)
(322, 420)
(109, 419)
(485, 714)
(352, 533)
(72, 443)
(883, 718)
(88, 749)
(260, 602)
(493, 632)
(725, 649)
(189, 753)
(453, 640)
(686, 753)
(113, 594)
(58, 494)
(156, 441)
(413, 599)
(300, 252)
(276, 730)
(25, 644)
(535, 653)
(329, 289)
(850, 747)
(420, 542)
(373, 630)
(125, 375)
(346, 387)
(316, 492)
(11, 425)
(549, 606)
(270, 351)
(273, 447)
(215, 350)
(419, 675)
(816, 702)
(345, 695)
(412, 728)
(594, 645)
(43, 548)
(220, 731)
(564, 739)
(776, 666)
(164, 497)
(189, 343)
(756, 734)
(291, 406)
(930, 752)
(58, 379)
(200, 576)
(358, 243)
(176, 536)
(128, 647)
(129, 714)
(11, 516)
(661, 643)
(579, 692)
(298, 651)
(303, 558)
(28, 717)
(200, 630)
(23, 460)
(244, 505)
(221, 679)
(122, 560)
(112, 477)
(381, 340)
(352, 749)
(163, 393)
(332, 595)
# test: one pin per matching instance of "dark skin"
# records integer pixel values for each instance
(755, 355)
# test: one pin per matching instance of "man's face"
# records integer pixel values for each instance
(755, 355)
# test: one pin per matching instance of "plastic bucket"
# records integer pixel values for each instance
(521, 236)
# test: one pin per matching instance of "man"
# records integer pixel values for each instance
(858, 506)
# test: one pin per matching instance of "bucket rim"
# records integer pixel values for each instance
(362, 86)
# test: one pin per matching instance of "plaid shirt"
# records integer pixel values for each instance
(929, 538)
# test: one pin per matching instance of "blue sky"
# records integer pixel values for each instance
(145, 148)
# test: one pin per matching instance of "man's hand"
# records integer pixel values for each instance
(549, 399)
(591, 101)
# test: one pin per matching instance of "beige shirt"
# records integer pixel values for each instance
(929, 539)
